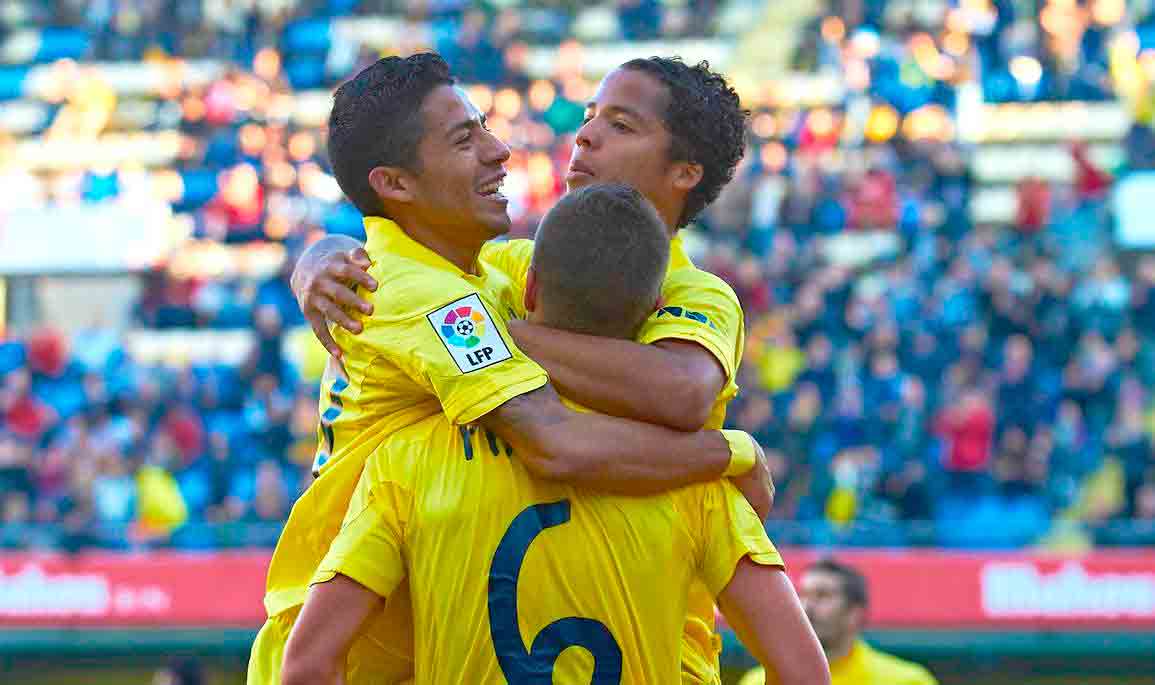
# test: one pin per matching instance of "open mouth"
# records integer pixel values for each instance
(493, 190)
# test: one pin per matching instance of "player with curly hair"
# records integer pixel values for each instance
(675, 132)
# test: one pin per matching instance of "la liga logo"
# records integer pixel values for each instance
(463, 327)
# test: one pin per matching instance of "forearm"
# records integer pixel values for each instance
(324, 631)
(603, 452)
(617, 377)
(760, 604)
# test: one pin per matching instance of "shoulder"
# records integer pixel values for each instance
(409, 289)
(693, 284)
(898, 671)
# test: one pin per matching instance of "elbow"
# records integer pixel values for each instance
(690, 408)
(550, 460)
(811, 672)
(302, 671)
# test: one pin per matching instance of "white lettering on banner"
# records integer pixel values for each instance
(31, 592)
(1019, 590)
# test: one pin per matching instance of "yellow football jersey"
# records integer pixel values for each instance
(697, 307)
(436, 343)
(864, 665)
(507, 573)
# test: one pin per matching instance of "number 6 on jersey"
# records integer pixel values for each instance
(535, 666)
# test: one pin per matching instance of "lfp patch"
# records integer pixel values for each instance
(467, 331)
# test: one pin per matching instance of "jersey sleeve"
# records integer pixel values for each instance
(729, 530)
(699, 307)
(370, 545)
(511, 257)
(461, 352)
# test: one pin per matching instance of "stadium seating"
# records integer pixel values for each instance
(946, 346)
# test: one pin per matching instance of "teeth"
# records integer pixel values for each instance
(491, 188)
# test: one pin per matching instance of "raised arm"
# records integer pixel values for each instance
(672, 383)
(761, 606)
(325, 281)
(613, 454)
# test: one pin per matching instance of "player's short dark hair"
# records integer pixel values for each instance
(853, 582)
(600, 258)
(376, 121)
(706, 121)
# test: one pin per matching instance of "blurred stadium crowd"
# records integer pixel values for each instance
(929, 361)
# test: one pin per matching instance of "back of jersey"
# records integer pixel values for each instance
(508, 573)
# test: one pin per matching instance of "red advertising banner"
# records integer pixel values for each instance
(123, 590)
(909, 589)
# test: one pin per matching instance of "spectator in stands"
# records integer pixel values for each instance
(836, 600)
(968, 430)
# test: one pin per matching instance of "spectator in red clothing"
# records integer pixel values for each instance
(1034, 212)
(23, 415)
(874, 202)
(1091, 182)
(968, 430)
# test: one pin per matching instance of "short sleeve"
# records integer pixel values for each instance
(729, 530)
(699, 307)
(370, 545)
(511, 257)
(462, 352)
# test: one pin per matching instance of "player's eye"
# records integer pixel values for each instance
(621, 127)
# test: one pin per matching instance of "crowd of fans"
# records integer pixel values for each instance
(978, 384)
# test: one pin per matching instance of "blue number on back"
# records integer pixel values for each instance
(535, 667)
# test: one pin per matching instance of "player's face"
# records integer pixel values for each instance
(462, 167)
(826, 607)
(624, 139)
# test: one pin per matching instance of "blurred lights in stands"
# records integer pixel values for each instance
(857, 74)
(541, 177)
(302, 146)
(763, 125)
(956, 43)
(541, 95)
(277, 226)
(253, 139)
(281, 175)
(821, 123)
(1108, 12)
(193, 108)
(881, 124)
(267, 64)
(168, 185)
(1026, 70)
(481, 97)
(833, 30)
(507, 103)
(774, 156)
(865, 43)
(930, 122)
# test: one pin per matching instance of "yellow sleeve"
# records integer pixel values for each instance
(370, 545)
(462, 353)
(699, 307)
(755, 676)
(729, 530)
(512, 257)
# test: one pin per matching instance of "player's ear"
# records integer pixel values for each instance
(391, 183)
(687, 175)
(531, 290)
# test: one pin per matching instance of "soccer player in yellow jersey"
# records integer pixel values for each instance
(406, 144)
(506, 571)
(675, 132)
(836, 600)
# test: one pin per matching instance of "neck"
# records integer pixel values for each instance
(670, 216)
(461, 252)
(840, 649)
